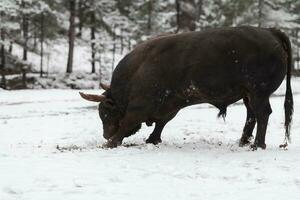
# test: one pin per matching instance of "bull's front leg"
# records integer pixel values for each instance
(155, 137)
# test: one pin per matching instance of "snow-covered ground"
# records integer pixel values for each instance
(49, 149)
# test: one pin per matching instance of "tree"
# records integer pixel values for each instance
(72, 9)
(261, 4)
(25, 25)
(200, 11)
(81, 16)
(93, 37)
(7, 10)
(2, 54)
(150, 10)
(42, 43)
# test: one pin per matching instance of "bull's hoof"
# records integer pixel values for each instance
(111, 144)
(154, 141)
(284, 146)
(254, 147)
(245, 141)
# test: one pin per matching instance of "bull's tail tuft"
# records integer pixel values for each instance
(223, 112)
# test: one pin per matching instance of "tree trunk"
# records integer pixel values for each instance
(2, 69)
(100, 70)
(296, 66)
(150, 8)
(24, 79)
(35, 35)
(71, 35)
(199, 11)
(42, 44)
(186, 15)
(129, 44)
(93, 31)
(10, 47)
(121, 41)
(114, 50)
(80, 17)
(48, 62)
(177, 14)
(25, 32)
(260, 12)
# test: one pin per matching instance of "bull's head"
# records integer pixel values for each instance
(108, 111)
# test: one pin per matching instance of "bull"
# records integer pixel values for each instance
(217, 66)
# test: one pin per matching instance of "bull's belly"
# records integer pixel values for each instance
(218, 98)
(221, 94)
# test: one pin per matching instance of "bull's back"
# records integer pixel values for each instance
(214, 59)
(216, 64)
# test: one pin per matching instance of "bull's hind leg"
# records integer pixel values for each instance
(155, 137)
(249, 125)
(262, 109)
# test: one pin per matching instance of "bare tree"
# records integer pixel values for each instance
(72, 8)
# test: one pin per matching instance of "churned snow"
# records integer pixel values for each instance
(50, 149)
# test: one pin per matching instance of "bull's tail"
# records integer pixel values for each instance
(288, 102)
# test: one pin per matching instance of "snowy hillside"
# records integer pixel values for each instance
(56, 60)
(49, 149)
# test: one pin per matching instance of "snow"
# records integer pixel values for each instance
(49, 149)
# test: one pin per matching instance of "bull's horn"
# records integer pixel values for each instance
(104, 86)
(92, 97)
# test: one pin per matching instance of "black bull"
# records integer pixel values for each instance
(218, 66)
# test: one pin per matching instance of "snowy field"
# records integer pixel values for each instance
(49, 149)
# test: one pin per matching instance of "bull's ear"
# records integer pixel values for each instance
(104, 86)
(93, 97)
